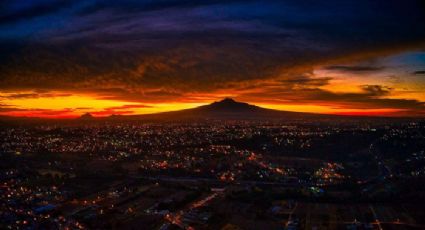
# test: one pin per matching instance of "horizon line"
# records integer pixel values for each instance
(340, 114)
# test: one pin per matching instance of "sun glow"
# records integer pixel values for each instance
(62, 105)
(58, 104)
(61, 102)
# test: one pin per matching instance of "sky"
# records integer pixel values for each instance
(64, 58)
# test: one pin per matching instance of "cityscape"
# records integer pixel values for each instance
(212, 115)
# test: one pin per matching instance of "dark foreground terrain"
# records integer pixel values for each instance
(213, 175)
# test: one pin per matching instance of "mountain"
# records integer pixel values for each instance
(86, 116)
(226, 109)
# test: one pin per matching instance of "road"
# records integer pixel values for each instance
(176, 217)
(376, 217)
(290, 215)
(217, 181)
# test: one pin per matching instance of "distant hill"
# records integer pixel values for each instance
(86, 116)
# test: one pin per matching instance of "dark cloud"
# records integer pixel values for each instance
(119, 110)
(371, 97)
(376, 90)
(305, 81)
(4, 105)
(129, 107)
(195, 66)
(354, 68)
(34, 95)
(8, 108)
(419, 72)
(68, 112)
(367, 100)
(20, 95)
(146, 6)
(29, 11)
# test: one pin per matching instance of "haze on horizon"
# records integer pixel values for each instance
(64, 58)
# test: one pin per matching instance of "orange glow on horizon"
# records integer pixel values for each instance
(326, 109)
(72, 106)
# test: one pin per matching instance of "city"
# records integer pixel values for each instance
(212, 115)
(211, 175)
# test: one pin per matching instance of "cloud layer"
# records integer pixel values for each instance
(164, 51)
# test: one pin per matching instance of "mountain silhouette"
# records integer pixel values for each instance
(229, 105)
(86, 116)
(226, 109)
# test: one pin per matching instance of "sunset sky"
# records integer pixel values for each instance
(64, 58)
